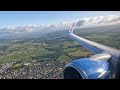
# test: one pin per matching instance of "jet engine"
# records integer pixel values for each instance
(94, 67)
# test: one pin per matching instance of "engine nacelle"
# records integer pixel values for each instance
(87, 69)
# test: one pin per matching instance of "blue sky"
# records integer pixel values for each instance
(8, 18)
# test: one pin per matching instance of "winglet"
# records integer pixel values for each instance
(71, 29)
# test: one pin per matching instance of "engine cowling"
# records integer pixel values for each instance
(88, 68)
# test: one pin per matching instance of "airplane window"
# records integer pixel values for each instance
(38, 44)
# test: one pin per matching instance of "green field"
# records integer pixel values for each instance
(61, 49)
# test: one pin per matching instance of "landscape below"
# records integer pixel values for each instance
(45, 57)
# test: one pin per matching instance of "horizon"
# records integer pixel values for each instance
(20, 18)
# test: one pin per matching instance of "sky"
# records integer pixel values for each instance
(9, 18)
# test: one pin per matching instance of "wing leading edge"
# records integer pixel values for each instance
(93, 46)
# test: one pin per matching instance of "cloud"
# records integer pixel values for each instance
(98, 21)
(91, 21)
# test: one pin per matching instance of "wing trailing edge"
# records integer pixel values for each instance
(93, 46)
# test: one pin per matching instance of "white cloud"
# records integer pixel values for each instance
(90, 21)
(109, 19)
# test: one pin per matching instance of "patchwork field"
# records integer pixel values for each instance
(46, 57)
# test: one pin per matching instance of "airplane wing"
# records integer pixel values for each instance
(93, 46)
